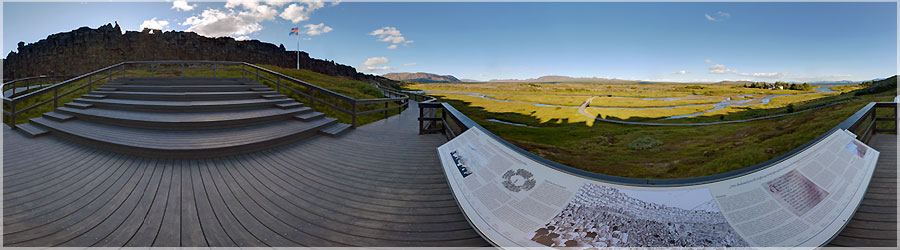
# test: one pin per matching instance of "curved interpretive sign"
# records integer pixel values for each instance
(514, 201)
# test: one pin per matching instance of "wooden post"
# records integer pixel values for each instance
(123, 70)
(257, 74)
(151, 70)
(354, 114)
(444, 126)
(215, 69)
(90, 83)
(386, 111)
(278, 84)
(182, 70)
(55, 97)
(421, 122)
(109, 75)
(243, 71)
(12, 115)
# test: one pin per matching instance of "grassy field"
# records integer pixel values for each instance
(563, 135)
(344, 86)
(625, 90)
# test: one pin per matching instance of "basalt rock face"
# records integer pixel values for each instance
(84, 50)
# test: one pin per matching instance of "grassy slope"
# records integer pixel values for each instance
(344, 86)
(566, 137)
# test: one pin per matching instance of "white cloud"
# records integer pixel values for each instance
(335, 3)
(300, 12)
(720, 69)
(277, 2)
(216, 23)
(242, 38)
(247, 4)
(372, 63)
(391, 35)
(718, 16)
(409, 64)
(182, 5)
(765, 75)
(681, 72)
(153, 24)
(317, 29)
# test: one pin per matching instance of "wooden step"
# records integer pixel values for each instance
(183, 106)
(93, 96)
(186, 88)
(335, 130)
(32, 130)
(183, 96)
(274, 96)
(184, 120)
(261, 89)
(187, 143)
(289, 105)
(105, 89)
(181, 81)
(60, 117)
(79, 105)
(309, 116)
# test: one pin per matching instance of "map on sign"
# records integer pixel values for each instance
(517, 202)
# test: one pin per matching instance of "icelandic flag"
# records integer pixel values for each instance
(294, 31)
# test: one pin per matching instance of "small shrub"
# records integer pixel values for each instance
(644, 143)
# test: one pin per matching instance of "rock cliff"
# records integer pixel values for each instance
(84, 50)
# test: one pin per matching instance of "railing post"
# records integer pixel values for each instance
(123, 70)
(257, 74)
(182, 70)
(421, 122)
(55, 97)
(90, 83)
(215, 69)
(444, 126)
(278, 84)
(109, 75)
(385, 110)
(243, 71)
(12, 114)
(354, 114)
(151, 70)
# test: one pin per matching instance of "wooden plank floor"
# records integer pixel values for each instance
(875, 222)
(377, 185)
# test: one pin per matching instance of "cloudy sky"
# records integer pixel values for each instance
(482, 41)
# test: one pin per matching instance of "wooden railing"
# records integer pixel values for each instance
(451, 122)
(314, 94)
(30, 83)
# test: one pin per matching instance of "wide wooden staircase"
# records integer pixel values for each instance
(183, 117)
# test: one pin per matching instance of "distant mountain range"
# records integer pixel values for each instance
(561, 79)
(420, 77)
(435, 78)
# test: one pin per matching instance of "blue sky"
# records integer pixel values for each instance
(482, 41)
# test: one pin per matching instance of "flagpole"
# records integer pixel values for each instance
(298, 49)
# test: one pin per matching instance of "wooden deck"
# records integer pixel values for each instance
(875, 221)
(378, 185)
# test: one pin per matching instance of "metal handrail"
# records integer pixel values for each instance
(354, 110)
(451, 115)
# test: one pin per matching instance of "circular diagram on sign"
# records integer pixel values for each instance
(518, 180)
